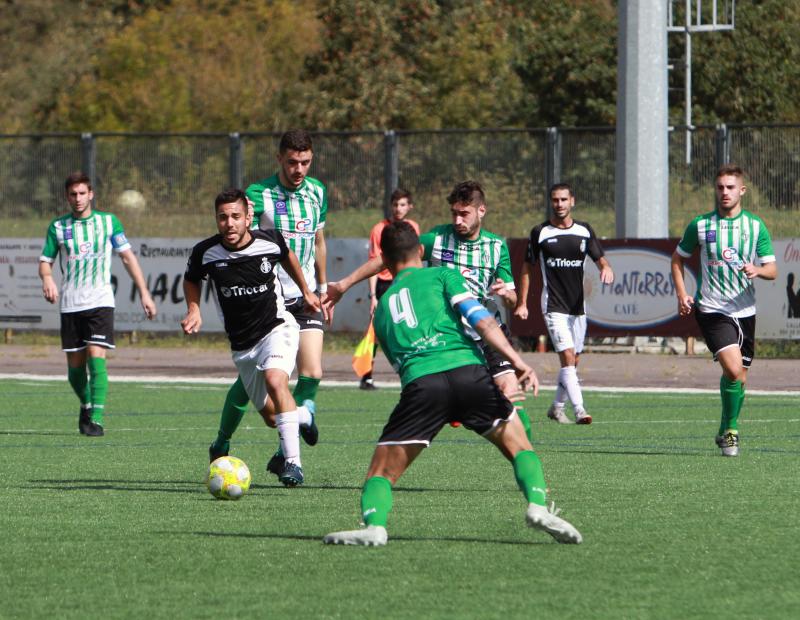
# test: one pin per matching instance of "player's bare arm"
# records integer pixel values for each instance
(507, 294)
(292, 267)
(767, 271)
(49, 287)
(606, 273)
(320, 263)
(131, 264)
(337, 289)
(193, 320)
(685, 301)
(521, 308)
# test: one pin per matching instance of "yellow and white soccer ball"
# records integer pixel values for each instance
(228, 478)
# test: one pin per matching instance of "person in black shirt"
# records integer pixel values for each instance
(561, 245)
(263, 335)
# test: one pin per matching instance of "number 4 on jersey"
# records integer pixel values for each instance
(402, 309)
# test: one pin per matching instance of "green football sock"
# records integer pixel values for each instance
(232, 413)
(526, 421)
(306, 389)
(376, 501)
(530, 477)
(98, 387)
(732, 394)
(80, 383)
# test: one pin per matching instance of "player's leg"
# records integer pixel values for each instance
(508, 384)
(489, 413)
(288, 424)
(99, 337)
(561, 328)
(74, 346)
(424, 408)
(309, 365)
(233, 410)
(724, 337)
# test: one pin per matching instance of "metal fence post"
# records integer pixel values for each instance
(552, 173)
(722, 152)
(89, 159)
(235, 160)
(391, 165)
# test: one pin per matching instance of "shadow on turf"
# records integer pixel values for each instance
(491, 541)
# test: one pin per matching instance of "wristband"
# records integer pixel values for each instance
(322, 287)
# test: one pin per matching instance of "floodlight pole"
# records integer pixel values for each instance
(689, 27)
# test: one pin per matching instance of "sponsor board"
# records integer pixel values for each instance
(642, 294)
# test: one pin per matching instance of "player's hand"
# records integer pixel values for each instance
(750, 270)
(149, 306)
(528, 381)
(373, 303)
(521, 312)
(191, 322)
(251, 206)
(50, 290)
(606, 275)
(685, 304)
(333, 294)
(312, 301)
(500, 289)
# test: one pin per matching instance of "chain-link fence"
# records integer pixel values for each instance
(165, 183)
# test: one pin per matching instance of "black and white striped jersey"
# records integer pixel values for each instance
(249, 297)
(561, 253)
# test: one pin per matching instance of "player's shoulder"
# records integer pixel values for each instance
(441, 229)
(205, 244)
(489, 235)
(582, 226)
(260, 186)
(536, 230)
(60, 221)
(315, 184)
(271, 235)
(754, 217)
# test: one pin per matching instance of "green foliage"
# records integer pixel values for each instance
(249, 65)
(195, 65)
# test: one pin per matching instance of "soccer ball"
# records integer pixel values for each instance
(228, 478)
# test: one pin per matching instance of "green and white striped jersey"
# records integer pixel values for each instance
(481, 261)
(298, 215)
(726, 244)
(85, 247)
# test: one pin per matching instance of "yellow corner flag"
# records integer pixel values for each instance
(362, 356)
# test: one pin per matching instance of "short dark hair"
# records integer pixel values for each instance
(399, 194)
(232, 194)
(398, 241)
(76, 178)
(467, 192)
(558, 186)
(296, 140)
(730, 170)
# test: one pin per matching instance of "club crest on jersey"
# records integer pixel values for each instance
(280, 208)
(448, 256)
(266, 266)
(711, 236)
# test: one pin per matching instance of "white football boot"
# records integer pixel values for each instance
(370, 536)
(556, 413)
(547, 520)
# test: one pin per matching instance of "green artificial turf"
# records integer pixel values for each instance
(123, 527)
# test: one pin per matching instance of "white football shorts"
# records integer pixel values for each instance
(278, 349)
(567, 331)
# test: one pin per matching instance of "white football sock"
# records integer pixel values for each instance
(303, 416)
(568, 377)
(289, 433)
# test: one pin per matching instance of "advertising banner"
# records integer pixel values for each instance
(163, 262)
